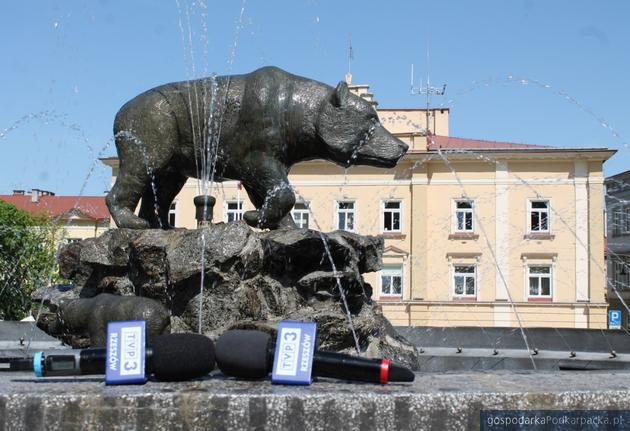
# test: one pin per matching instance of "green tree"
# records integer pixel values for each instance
(27, 258)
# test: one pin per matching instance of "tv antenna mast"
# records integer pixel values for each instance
(350, 58)
(427, 90)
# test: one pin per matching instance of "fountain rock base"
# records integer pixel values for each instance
(243, 279)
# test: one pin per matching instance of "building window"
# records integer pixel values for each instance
(172, 214)
(539, 216)
(233, 211)
(464, 216)
(465, 280)
(539, 281)
(621, 274)
(391, 280)
(620, 220)
(300, 214)
(392, 216)
(616, 222)
(345, 215)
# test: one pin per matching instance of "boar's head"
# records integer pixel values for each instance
(351, 133)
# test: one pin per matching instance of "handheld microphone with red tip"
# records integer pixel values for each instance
(172, 357)
(249, 354)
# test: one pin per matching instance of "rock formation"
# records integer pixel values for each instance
(251, 279)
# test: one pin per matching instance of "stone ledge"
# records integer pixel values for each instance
(433, 401)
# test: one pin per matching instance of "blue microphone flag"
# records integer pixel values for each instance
(293, 358)
(125, 352)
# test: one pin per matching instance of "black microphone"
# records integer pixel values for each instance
(250, 354)
(171, 357)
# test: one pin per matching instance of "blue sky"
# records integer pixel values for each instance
(67, 67)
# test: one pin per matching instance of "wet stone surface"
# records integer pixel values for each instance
(433, 401)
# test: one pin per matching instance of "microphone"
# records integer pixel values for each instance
(250, 354)
(171, 357)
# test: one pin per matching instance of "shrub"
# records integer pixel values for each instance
(27, 259)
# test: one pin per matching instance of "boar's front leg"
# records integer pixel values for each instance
(269, 190)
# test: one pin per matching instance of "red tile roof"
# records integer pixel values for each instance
(452, 143)
(90, 207)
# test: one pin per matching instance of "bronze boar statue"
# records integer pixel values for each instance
(260, 124)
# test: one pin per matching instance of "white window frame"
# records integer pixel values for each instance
(393, 211)
(301, 212)
(474, 276)
(391, 271)
(470, 211)
(353, 211)
(238, 211)
(540, 277)
(172, 211)
(531, 211)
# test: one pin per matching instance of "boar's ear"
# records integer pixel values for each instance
(340, 94)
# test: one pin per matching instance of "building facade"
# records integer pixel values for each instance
(476, 232)
(618, 243)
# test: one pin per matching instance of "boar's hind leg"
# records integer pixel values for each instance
(146, 138)
(125, 194)
(155, 209)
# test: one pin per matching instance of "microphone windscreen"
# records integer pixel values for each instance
(178, 357)
(243, 353)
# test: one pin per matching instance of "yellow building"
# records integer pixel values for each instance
(476, 232)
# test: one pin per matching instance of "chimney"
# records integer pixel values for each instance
(363, 91)
(35, 195)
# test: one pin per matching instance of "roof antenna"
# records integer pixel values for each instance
(427, 90)
(350, 58)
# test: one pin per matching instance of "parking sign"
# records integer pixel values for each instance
(614, 319)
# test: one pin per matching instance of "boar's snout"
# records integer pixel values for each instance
(382, 150)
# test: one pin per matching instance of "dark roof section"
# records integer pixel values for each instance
(625, 175)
